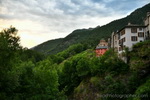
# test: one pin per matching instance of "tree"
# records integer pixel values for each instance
(46, 79)
(69, 77)
(9, 46)
(83, 68)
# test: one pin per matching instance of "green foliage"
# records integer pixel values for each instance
(56, 59)
(26, 80)
(69, 78)
(47, 80)
(9, 45)
(23, 76)
(74, 72)
(108, 64)
(30, 55)
(143, 91)
(133, 82)
(72, 50)
(112, 86)
(95, 81)
(140, 56)
(47, 46)
(83, 67)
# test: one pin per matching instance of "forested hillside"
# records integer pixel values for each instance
(48, 45)
(73, 74)
(109, 78)
(90, 37)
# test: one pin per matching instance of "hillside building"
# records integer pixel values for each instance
(147, 24)
(101, 48)
(114, 41)
(130, 35)
(125, 38)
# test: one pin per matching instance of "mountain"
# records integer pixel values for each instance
(90, 37)
(47, 46)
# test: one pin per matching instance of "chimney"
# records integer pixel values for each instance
(148, 14)
(129, 23)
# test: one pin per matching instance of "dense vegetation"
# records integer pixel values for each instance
(48, 45)
(74, 73)
(90, 37)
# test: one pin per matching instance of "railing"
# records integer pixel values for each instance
(120, 42)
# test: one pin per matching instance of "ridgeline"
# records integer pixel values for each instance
(90, 37)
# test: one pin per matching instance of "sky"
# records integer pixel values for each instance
(42, 20)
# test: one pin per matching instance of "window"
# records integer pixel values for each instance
(120, 41)
(140, 29)
(133, 38)
(118, 36)
(133, 30)
(124, 39)
(122, 32)
(120, 48)
(140, 34)
(147, 34)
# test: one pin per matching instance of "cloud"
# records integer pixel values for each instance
(41, 20)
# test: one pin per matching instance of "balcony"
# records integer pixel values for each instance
(121, 42)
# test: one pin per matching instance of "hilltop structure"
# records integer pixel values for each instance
(101, 48)
(128, 36)
(147, 24)
(125, 38)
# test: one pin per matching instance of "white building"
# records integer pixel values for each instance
(147, 24)
(130, 35)
(114, 41)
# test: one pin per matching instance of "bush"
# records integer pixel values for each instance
(83, 68)
(143, 92)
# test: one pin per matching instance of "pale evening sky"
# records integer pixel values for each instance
(42, 20)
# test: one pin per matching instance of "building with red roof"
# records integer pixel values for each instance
(101, 48)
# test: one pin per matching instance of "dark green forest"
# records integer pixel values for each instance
(73, 72)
